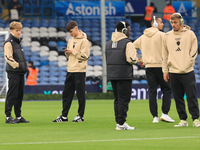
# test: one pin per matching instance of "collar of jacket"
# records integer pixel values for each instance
(15, 39)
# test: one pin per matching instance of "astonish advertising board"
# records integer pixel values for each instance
(89, 8)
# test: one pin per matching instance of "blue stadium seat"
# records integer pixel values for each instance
(44, 63)
(62, 68)
(27, 53)
(26, 48)
(44, 68)
(61, 80)
(97, 62)
(88, 82)
(35, 53)
(53, 68)
(135, 82)
(52, 44)
(54, 74)
(26, 21)
(96, 58)
(135, 24)
(35, 58)
(61, 43)
(143, 81)
(53, 80)
(90, 62)
(44, 58)
(53, 63)
(36, 63)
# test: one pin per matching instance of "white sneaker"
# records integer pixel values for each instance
(117, 126)
(166, 118)
(182, 123)
(196, 123)
(155, 120)
(125, 126)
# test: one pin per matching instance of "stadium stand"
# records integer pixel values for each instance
(43, 40)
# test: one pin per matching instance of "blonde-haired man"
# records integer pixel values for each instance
(16, 67)
(179, 52)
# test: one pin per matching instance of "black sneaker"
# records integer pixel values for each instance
(21, 120)
(60, 119)
(10, 120)
(78, 119)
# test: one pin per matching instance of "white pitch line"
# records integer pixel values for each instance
(108, 140)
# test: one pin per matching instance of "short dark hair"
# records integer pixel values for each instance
(152, 4)
(71, 25)
(152, 19)
(30, 62)
(120, 25)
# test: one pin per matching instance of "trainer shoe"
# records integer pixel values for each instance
(21, 120)
(155, 120)
(182, 123)
(166, 118)
(78, 119)
(10, 120)
(125, 126)
(60, 119)
(117, 126)
(196, 123)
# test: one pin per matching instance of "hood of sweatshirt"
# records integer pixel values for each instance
(117, 36)
(184, 29)
(81, 36)
(150, 31)
(33, 67)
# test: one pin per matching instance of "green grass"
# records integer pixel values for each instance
(97, 132)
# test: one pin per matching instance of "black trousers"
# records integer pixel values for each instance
(122, 94)
(154, 79)
(181, 84)
(15, 94)
(74, 81)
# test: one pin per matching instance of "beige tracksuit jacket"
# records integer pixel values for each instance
(77, 61)
(179, 51)
(150, 44)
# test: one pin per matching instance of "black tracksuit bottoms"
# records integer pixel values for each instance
(15, 94)
(154, 79)
(122, 94)
(74, 82)
(181, 84)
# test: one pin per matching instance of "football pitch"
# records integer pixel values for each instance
(98, 131)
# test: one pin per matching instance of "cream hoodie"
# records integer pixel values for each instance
(179, 51)
(131, 55)
(77, 61)
(150, 44)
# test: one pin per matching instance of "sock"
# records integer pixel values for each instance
(19, 117)
(64, 117)
(7, 118)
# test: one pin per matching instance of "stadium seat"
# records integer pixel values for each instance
(53, 58)
(62, 68)
(44, 63)
(52, 29)
(53, 63)
(43, 58)
(35, 48)
(62, 63)
(143, 81)
(90, 62)
(44, 53)
(97, 63)
(36, 63)
(135, 82)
